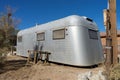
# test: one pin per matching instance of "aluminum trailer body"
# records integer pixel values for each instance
(73, 40)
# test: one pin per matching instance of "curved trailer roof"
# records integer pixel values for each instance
(73, 20)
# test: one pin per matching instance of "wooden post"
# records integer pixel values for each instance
(28, 60)
(45, 57)
(108, 61)
(35, 57)
(41, 56)
(108, 47)
(111, 34)
(113, 29)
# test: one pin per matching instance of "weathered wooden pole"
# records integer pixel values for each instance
(113, 30)
(111, 33)
(108, 47)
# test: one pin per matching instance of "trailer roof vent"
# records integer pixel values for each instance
(89, 19)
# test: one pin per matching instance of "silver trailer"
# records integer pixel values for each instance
(73, 40)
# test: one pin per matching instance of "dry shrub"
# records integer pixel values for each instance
(3, 54)
(115, 72)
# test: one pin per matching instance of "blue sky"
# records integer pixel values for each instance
(31, 12)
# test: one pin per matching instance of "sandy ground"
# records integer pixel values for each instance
(15, 69)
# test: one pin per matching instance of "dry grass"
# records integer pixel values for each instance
(15, 69)
(3, 54)
(115, 72)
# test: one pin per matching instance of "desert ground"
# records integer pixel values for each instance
(15, 68)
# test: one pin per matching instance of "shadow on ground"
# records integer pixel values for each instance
(12, 65)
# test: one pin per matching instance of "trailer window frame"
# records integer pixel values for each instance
(19, 39)
(56, 34)
(93, 34)
(41, 36)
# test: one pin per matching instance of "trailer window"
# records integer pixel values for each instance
(93, 34)
(41, 36)
(19, 38)
(59, 34)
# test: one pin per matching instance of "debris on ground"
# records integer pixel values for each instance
(15, 69)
